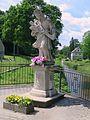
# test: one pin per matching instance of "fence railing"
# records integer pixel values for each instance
(65, 81)
(76, 84)
(16, 74)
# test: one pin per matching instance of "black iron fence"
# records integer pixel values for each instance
(15, 74)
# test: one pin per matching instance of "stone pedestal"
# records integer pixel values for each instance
(43, 82)
(43, 93)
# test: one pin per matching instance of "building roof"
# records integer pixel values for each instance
(75, 49)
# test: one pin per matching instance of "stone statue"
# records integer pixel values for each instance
(43, 30)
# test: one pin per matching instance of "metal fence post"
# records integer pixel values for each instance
(60, 77)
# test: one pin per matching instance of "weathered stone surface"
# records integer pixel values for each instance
(44, 102)
(16, 108)
(43, 82)
(43, 30)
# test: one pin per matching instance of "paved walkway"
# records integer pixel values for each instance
(69, 108)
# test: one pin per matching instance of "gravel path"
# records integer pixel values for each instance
(69, 108)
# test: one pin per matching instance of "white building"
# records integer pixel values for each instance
(2, 49)
(76, 54)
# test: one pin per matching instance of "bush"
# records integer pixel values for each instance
(78, 59)
(75, 67)
(67, 59)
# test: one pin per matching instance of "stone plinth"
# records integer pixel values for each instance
(44, 102)
(43, 93)
(43, 82)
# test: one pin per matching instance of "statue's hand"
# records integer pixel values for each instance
(35, 45)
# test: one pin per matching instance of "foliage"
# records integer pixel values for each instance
(64, 86)
(81, 66)
(21, 101)
(16, 23)
(1, 22)
(65, 51)
(75, 67)
(59, 78)
(86, 44)
(58, 59)
(25, 102)
(73, 44)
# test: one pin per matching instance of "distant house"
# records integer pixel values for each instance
(2, 49)
(76, 54)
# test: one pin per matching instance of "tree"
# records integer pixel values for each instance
(1, 22)
(73, 44)
(86, 44)
(16, 23)
(65, 51)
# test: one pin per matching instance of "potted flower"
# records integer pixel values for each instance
(19, 104)
(38, 60)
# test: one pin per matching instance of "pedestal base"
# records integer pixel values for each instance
(44, 102)
(43, 82)
(43, 93)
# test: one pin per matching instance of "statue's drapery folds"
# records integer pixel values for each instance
(43, 30)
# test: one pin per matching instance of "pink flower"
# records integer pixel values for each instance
(38, 60)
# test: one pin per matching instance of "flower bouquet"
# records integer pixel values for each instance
(38, 60)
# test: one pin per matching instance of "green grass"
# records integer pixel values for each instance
(9, 60)
(15, 72)
(83, 66)
(21, 75)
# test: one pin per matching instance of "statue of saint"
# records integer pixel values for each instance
(44, 31)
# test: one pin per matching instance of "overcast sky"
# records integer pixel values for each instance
(75, 17)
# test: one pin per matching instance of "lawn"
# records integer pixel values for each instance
(15, 71)
(22, 75)
(9, 60)
(82, 66)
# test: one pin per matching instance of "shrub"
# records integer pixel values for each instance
(75, 67)
(79, 59)
(67, 59)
